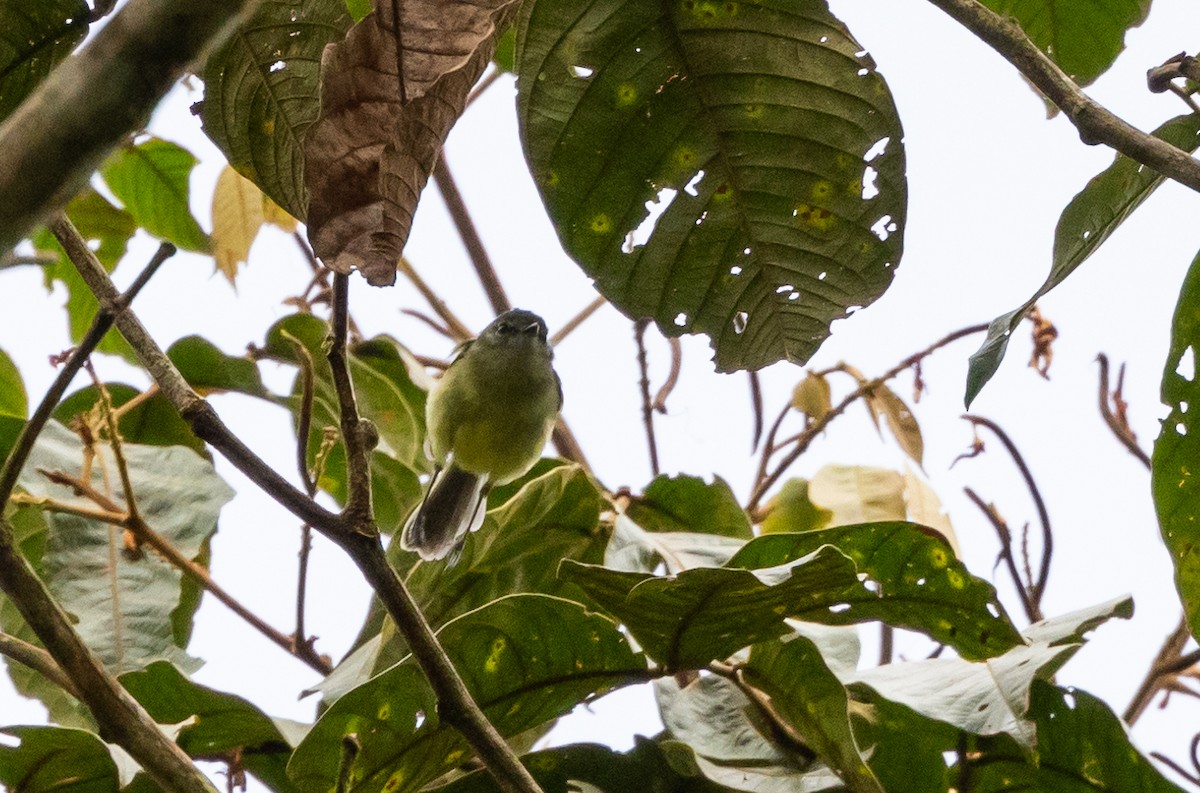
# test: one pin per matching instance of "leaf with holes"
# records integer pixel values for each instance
(700, 615)
(34, 38)
(919, 584)
(525, 659)
(1093, 214)
(728, 168)
(261, 93)
(151, 180)
(1175, 485)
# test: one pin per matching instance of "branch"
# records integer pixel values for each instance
(303, 428)
(1032, 611)
(38, 660)
(470, 237)
(461, 332)
(53, 142)
(818, 425)
(1114, 414)
(358, 435)
(1095, 123)
(1164, 666)
(577, 320)
(639, 334)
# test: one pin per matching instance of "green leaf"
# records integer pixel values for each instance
(53, 759)
(907, 751)
(1093, 214)
(505, 56)
(151, 180)
(919, 584)
(124, 609)
(107, 231)
(688, 504)
(261, 92)
(706, 614)
(1176, 488)
(153, 422)
(216, 723)
(207, 369)
(1082, 746)
(562, 770)
(13, 401)
(805, 694)
(525, 659)
(34, 38)
(734, 169)
(791, 510)
(1083, 39)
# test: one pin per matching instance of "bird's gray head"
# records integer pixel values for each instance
(515, 326)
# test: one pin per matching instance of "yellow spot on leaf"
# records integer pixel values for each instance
(385, 711)
(493, 660)
(454, 757)
(552, 179)
(268, 127)
(955, 578)
(821, 190)
(818, 218)
(939, 558)
(626, 95)
(755, 111)
(601, 224)
(393, 782)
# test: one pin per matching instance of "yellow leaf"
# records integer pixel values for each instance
(237, 214)
(858, 494)
(900, 421)
(925, 507)
(812, 396)
(278, 216)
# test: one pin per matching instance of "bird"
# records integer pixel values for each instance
(487, 422)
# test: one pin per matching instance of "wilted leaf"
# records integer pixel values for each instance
(1093, 214)
(34, 38)
(125, 611)
(791, 510)
(1175, 486)
(53, 759)
(900, 421)
(151, 180)
(13, 401)
(525, 659)
(261, 93)
(237, 215)
(806, 695)
(858, 494)
(1082, 40)
(687, 503)
(812, 396)
(378, 137)
(917, 584)
(706, 614)
(216, 723)
(733, 169)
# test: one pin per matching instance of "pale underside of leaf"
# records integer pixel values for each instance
(237, 215)
(370, 154)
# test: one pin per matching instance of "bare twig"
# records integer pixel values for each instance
(577, 320)
(639, 334)
(1161, 78)
(1095, 123)
(303, 429)
(1037, 586)
(1114, 412)
(430, 321)
(488, 80)
(38, 660)
(461, 332)
(887, 640)
(756, 404)
(1032, 611)
(358, 435)
(660, 399)
(818, 425)
(470, 237)
(1192, 776)
(1163, 668)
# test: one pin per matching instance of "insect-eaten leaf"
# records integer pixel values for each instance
(379, 135)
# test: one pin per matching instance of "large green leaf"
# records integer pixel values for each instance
(216, 724)
(1082, 38)
(54, 759)
(1082, 746)
(1176, 487)
(809, 697)
(261, 93)
(107, 230)
(207, 369)
(124, 606)
(151, 180)
(13, 401)
(1093, 214)
(918, 584)
(34, 38)
(907, 751)
(525, 659)
(689, 504)
(700, 615)
(729, 168)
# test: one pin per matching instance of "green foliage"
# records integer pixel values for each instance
(1093, 214)
(55, 758)
(34, 37)
(686, 503)
(758, 133)
(13, 401)
(152, 421)
(261, 92)
(151, 180)
(207, 369)
(1176, 488)
(525, 658)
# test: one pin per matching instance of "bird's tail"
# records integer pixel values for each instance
(453, 505)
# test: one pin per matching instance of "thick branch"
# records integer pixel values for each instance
(1095, 123)
(54, 141)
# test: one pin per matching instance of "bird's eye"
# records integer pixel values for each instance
(505, 329)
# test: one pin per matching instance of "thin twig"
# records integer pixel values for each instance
(577, 320)
(1094, 122)
(1038, 586)
(488, 80)
(1116, 419)
(639, 333)
(38, 660)
(1194, 753)
(356, 432)
(887, 641)
(430, 321)
(756, 404)
(660, 399)
(461, 332)
(765, 482)
(1032, 612)
(114, 441)
(303, 429)
(470, 237)
(1164, 666)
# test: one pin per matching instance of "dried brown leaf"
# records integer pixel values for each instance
(370, 154)
(900, 421)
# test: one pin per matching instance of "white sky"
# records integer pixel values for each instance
(988, 176)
